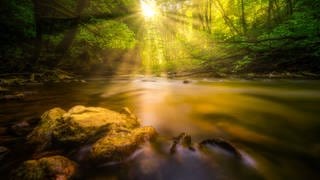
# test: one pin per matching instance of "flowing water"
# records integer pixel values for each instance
(274, 124)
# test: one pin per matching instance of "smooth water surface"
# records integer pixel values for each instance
(275, 124)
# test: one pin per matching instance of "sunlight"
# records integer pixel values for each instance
(148, 8)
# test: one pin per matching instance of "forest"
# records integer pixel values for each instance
(159, 89)
(216, 36)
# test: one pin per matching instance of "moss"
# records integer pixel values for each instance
(29, 170)
(42, 134)
(79, 125)
(118, 146)
(82, 123)
(54, 167)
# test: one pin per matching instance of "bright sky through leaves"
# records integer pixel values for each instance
(148, 8)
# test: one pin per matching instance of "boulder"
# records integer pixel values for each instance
(114, 135)
(117, 146)
(54, 167)
(42, 134)
(78, 125)
(82, 123)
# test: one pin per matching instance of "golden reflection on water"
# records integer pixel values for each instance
(275, 124)
(236, 113)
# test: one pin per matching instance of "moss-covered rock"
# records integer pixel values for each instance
(42, 134)
(81, 123)
(54, 167)
(78, 125)
(114, 135)
(117, 146)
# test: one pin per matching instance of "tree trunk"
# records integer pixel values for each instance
(270, 7)
(38, 41)
(243, 19)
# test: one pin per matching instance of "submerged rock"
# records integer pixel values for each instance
(17, 96)
(184, 140)
(186, 81)
(221, 143)
(116, 146)
(54, 167)
(21, 128)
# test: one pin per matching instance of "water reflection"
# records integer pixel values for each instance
(275, 124)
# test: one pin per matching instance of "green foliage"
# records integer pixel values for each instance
(241, 64)
(106, 34)
(105, 7)
(17, 19)
(102, 35)
(222, 35)
(53, 39)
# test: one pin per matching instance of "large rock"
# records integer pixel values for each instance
(116, 146)
(81, 123)
(54, 167)
(42, 134)
(114, 135)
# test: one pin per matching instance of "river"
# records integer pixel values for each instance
(275, 124)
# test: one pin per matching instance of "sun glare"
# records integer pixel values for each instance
(148, 8)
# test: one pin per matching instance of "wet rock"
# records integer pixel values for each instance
(54, 167)
(186, 81)
(12, 82)
(21, 128)
(221, 143)
(3, 152)
(171, 75)
(17, 96)
(80, 123)
(127, 111)
(116, 146)
(46, 154)
(42, 134)
(148, 80)
(184, 140)
(114, 135)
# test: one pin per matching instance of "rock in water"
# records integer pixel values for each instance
(114, 135)
(81, 123)
(184, 140)
(54, 167)
(223, 144)
(116, 146)
(186, 81)
(78, 124)
(21, 128)
(42, 134)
